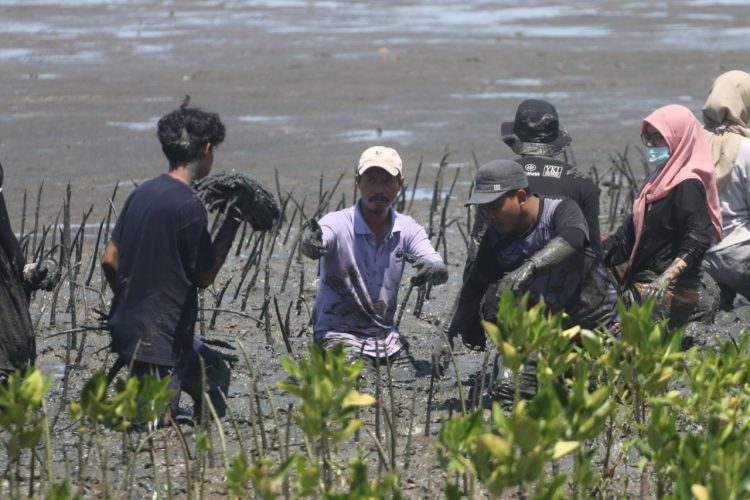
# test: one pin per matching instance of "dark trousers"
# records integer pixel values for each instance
(188, 376)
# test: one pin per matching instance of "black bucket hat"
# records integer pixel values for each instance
(536, 127)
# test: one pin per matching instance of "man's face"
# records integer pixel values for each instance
(379, 189)
(505, 213)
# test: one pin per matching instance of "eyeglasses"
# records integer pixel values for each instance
(653, 139)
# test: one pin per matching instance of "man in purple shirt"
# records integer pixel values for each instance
(363, 250)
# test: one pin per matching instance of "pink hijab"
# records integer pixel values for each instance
(690, 159)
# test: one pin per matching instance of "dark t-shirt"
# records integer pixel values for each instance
(551, 177)
(580, 284)
(675, 226)
(163, 240)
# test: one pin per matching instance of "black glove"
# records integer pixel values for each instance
(466, 324)
(519, 279)
(427, 271)
(312, 240)
(44, 275)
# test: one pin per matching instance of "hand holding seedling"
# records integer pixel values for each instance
(432, 272)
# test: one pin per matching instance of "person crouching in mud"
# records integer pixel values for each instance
(17, 281)
(160, 253)
(535, 244)
(674, 220)
(362, 252)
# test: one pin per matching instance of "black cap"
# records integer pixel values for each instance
(496, 178)
(536, 122)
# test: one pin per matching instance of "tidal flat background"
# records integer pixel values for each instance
(305, 86)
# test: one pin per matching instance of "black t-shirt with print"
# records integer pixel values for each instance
(551, 177)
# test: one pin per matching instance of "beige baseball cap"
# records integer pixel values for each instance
(380, 156)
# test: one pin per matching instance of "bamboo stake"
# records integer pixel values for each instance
(416, 181)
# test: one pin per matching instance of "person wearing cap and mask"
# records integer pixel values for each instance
(675, 218)
(725, 117)
(363, 250)
(17, 281)
(536, 244)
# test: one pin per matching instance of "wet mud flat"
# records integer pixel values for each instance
(304, 87)
(400, 434)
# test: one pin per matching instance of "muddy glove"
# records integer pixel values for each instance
(519, 279)
(466, 324)
(440, 356)
(432, 272)
(312, 240)
(44, 275)
(659, 287)
(554, 252)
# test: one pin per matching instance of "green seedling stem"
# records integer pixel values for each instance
(276, 421)
(391, 419)
(186, 457)
(207, 402)
(168, 470)
(407, 450)
(428, 410)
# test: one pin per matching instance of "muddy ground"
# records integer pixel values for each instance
(304, 87)
(412, 399)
